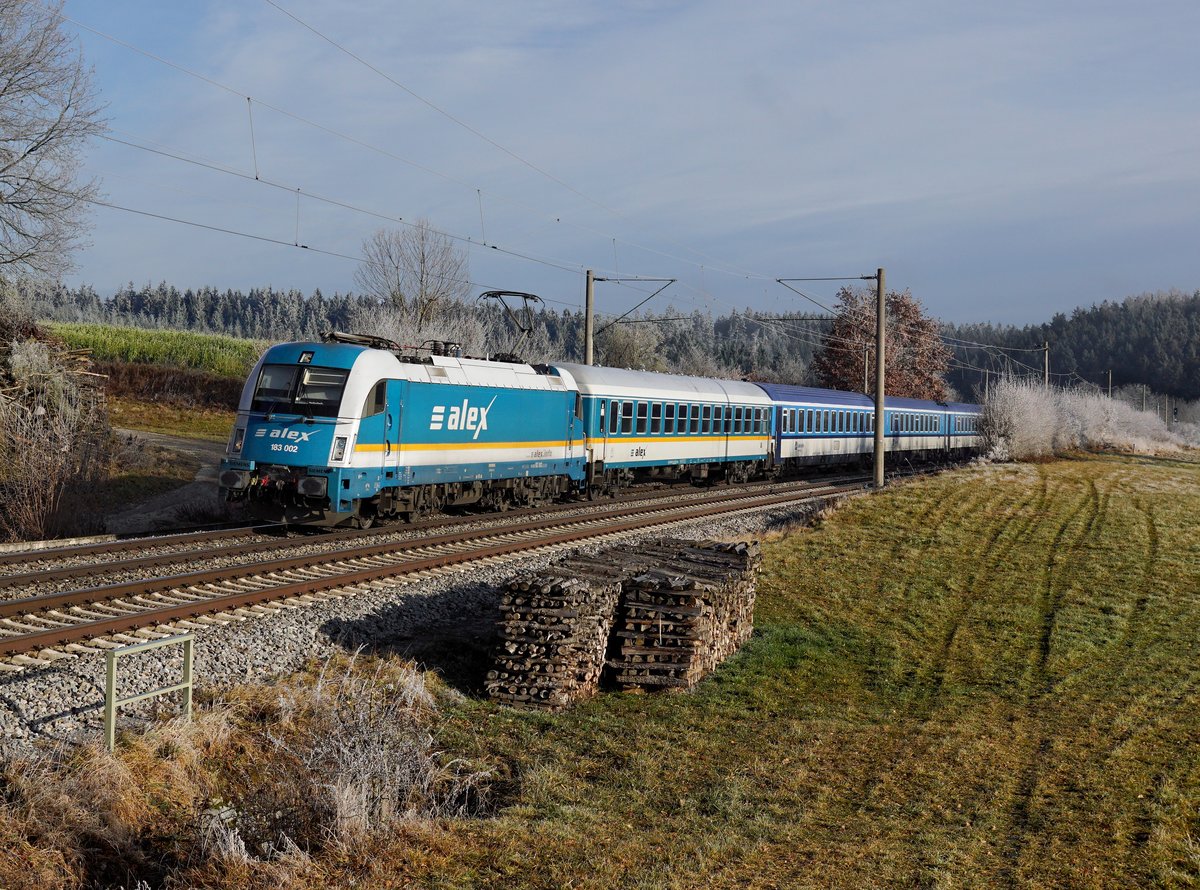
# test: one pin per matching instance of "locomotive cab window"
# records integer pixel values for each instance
(376, 400)
(299, 389)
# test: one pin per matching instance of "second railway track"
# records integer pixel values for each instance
(40, 630)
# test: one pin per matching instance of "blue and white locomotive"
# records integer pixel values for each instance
(352, 429)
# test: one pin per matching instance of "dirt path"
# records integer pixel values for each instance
(173, 508)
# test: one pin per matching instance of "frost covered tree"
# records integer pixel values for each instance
(417, 270)
(48, 111)
(915, 362)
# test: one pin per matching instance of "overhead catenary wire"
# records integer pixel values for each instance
(510, 153)
(559, 219)
(278, 241)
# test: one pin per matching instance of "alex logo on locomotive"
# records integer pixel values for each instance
(290, 435)
(461, 417)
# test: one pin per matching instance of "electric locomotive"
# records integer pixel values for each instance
(351, 429)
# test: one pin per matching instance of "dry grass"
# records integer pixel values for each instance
(244, 795)
(212, 424)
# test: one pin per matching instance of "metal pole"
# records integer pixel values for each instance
(1046, 369)
(865, 381)
(1110, 383)
(587, 318)
(880, 322)
(110, 702)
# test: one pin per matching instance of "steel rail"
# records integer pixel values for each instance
(40, 576)
(36, 641)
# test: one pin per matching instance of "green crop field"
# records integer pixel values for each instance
(225, 356)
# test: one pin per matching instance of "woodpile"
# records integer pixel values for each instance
(658, 615)
(554, 629)
(685, 616)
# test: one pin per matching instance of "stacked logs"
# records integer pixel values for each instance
(679, 608)
(681, 619)
(554, 630)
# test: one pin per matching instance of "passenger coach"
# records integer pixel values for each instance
(644, 424)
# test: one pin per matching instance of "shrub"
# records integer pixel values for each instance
(1024, 420)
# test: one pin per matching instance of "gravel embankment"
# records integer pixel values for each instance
(445, 623)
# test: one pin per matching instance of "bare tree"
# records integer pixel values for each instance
(417, 270)
(48, 111)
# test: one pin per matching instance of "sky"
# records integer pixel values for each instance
(1004, 161)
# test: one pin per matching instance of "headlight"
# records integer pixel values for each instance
(239, 436)
(312, 486)
(339, 447)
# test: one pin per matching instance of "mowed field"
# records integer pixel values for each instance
(987, 679)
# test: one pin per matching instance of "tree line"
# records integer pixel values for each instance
(1151, 339)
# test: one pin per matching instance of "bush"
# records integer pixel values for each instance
(255, 782)
(1024, 420)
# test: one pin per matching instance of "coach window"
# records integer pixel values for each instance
(627, 417)
(706, 419)
(738, 417)
(614, 414)
(669, 418)
(656, 417)
(641, 417)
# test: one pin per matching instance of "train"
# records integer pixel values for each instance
(354, 429)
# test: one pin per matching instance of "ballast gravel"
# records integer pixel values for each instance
(445, 623)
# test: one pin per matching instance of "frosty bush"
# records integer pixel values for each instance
(1024, 420)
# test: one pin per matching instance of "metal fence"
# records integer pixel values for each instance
(111, 702)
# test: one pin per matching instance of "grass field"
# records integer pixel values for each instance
(225, 356)
(991, 678)
(988, 679)
(190, 423)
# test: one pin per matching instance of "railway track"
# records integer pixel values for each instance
(43, 629)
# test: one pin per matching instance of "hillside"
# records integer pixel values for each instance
(1151, 340)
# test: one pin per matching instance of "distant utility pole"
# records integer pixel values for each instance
(880, 335)
(1046, 366)
(865, 348)
(1110, 383)
(1143, 397)
(589, 294)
